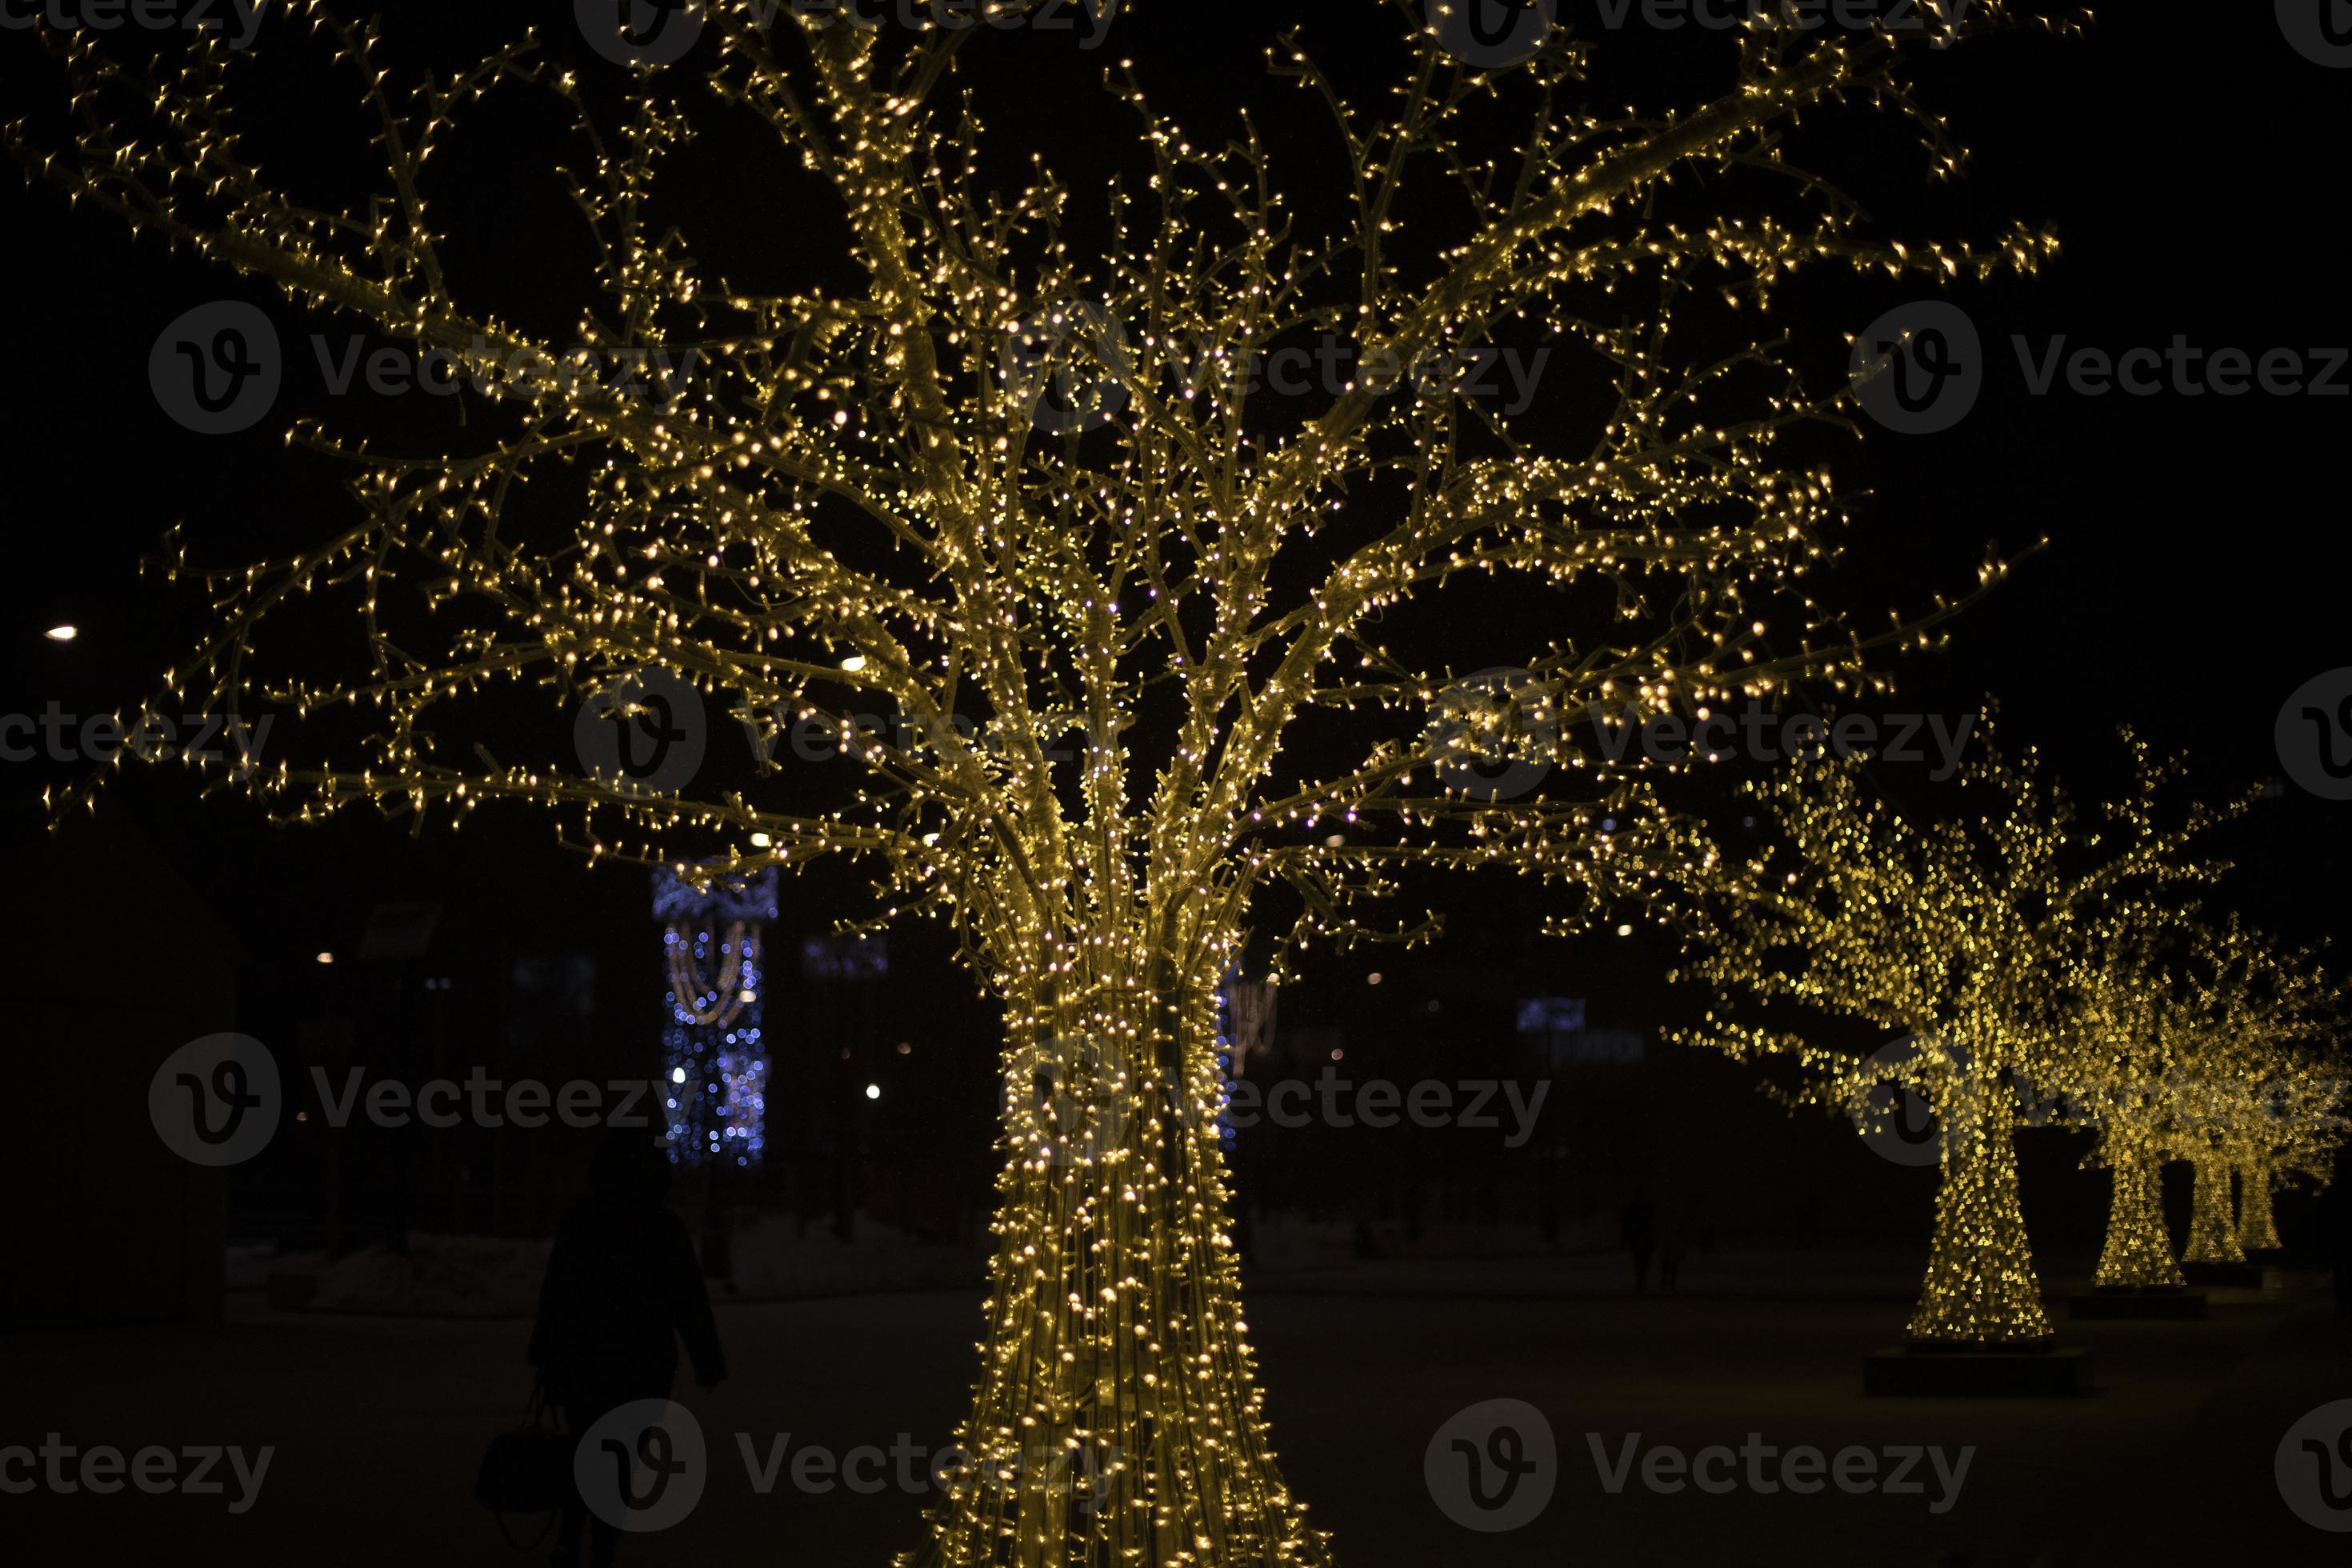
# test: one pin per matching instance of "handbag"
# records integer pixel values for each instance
(527, 1470)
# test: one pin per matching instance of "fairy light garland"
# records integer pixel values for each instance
(1961, 933)
(852, 506)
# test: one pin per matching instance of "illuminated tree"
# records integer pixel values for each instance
(2134, 1021)
(1007, 476)
(2261, 1101)
(2191, 1042)
(1953, 939)
(2292, 1137)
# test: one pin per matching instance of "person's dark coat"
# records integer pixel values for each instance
(623, 1286)
(1637, 1227)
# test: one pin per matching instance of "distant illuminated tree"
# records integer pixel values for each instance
(2293, 1139)
(1953, 938)
(2134, 1021)
(2264, 1091)
(2162, 1060)
(1012, 483)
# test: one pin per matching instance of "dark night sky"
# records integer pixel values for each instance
(2198, 545)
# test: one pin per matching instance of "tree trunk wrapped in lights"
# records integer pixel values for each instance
(1013, 478)
(1116, 1334)
(2136, 1015)
(1961, 939)
(2138, 1253)
(2197, 1040)
(1981, 1288)
(2212, 1209)
(2265, 1087)
(2289, 1130)
(2285, 1127)
(2257, 1211)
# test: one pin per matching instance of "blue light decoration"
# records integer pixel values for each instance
(714, 1059)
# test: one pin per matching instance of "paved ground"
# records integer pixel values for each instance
(378, 1425)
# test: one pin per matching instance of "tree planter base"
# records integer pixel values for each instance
(2144, 1306)
(1977, 1374)
(2239, 1275)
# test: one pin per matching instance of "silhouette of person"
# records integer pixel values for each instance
(1637, 1228)
(623, 1286)
(1674, 1241)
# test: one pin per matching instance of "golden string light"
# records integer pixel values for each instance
(1959, 938)
(852, 502)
